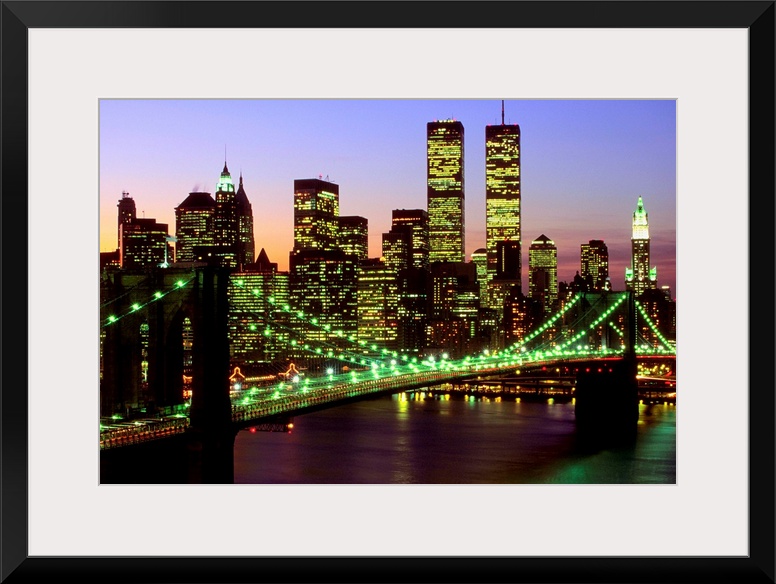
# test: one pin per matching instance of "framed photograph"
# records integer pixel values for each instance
(92, 91)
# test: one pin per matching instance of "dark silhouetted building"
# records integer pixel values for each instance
(246, 247)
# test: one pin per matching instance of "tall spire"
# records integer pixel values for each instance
(502, 112)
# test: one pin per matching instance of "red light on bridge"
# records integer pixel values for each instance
(587, 369)
(599, 370)
(544, 369)
(253, 430)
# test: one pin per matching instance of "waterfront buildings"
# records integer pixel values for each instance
(258, 325)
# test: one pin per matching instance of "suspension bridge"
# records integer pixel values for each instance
(596, 332)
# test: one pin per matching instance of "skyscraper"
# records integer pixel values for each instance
(323, 277)
(143, 243)
(353, 236)
(316, 214)
(397, 249)
(324, 287)
(480, 259)
(194, 225)
(639, 277)
(246, 249)
(594, 258)
(543, 272)
(416, 220)
(225, 223)
(445, 190)
(502, 191)
(127, 210)
(258, 328)
(378, 301)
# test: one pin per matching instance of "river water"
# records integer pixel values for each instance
(433, 438)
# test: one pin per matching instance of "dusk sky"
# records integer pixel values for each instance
(584, 163)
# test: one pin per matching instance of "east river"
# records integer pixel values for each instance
(433, 438)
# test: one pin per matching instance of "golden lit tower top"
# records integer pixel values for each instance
(639, 277)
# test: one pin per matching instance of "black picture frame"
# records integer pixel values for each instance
(19, 16)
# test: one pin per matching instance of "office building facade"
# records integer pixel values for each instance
(543, 273)
(445, 190)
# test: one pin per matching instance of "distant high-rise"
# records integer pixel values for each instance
(502, 191)
(316, 214)
(143, 243)
(639, 277)
(454, 302)
(543, 272)
(416, 220)
(225, 222)
(378, 301)
(397, 249)
(194, 225)
(246, 248)
(323, 287)
(445, 190)
(480, 259)
(594, 257)
(258, 327)
(127, 210)
(354, 236)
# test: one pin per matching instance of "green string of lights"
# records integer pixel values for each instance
(113, 318)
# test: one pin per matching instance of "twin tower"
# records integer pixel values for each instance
(445, 196)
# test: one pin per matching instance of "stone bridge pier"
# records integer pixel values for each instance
(204, 453)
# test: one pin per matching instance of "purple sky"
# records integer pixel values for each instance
(584, 163)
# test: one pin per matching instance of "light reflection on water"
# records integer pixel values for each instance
(441, 440)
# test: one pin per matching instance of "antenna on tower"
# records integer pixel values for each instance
(502, 112)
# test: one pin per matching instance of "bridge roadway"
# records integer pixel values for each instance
(256, 406)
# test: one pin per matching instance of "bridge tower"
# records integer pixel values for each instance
(205, 453)
(606, 401)
(211, 434)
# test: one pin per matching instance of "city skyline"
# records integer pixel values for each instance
(584, 165)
